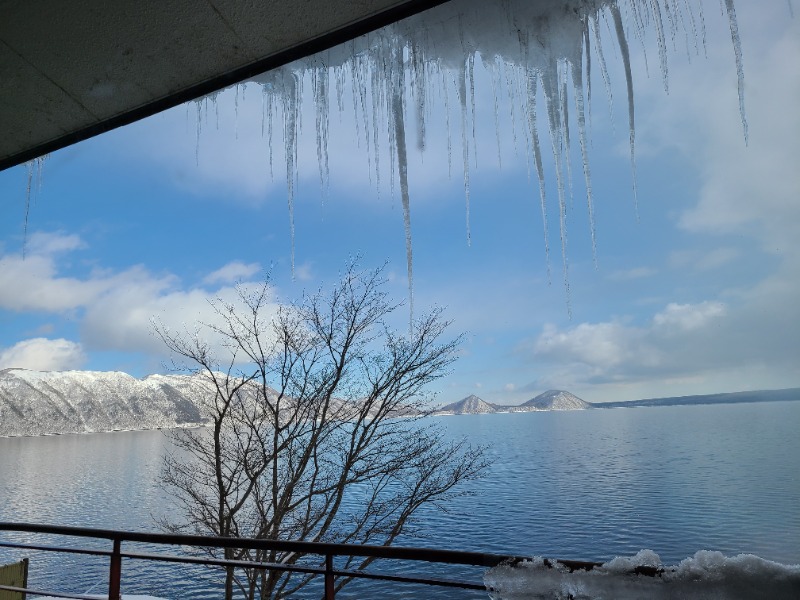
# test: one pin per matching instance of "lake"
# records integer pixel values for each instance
(584, 485)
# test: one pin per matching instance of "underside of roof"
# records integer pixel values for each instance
(70, 70)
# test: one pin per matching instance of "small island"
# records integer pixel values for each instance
(563, 400)
(549, 400)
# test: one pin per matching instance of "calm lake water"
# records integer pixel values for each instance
(580, 485)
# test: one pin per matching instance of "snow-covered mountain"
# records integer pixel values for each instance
(556, 400)
(549, 400)
(471, 405)
(37, 403)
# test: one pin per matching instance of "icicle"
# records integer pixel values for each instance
(495, 76)
(359, 88)
(588, 57)
(319, 81)
(577, 87)
(471, 79)
(399, 133)
(263, 110)
(376, 111)
(419, 92)
(662, 42)
(672, 17)
(291, 110)
(603, 67)
(563, 109)
(391, 124)
(29, 166)
(702, 18)
(339, 79)
(626, 61)
(532, 86)
(737, 49)
(235, 113)
(551, 89)
(512, 96)
(449, 135)
(462, 97)
(35, 173)
(199, 106)
(269, 138)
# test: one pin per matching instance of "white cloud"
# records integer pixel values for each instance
(48, 243)
(115, 309)
(42, 354)
(33, 284)
(710, 344)
(232, 272)
(687, 317)
(125, 318)
(603, 347)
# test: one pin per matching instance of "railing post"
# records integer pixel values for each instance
(330, 591)
(115, 572)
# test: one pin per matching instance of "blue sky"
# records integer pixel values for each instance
(699, 293)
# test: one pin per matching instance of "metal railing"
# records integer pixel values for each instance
(326, 551)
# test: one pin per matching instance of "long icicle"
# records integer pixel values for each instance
(577, 86)
(35, 176)
(462, 96)
(291, 109)
(737, 49)
(532, 86)
(551, 84)
(626, 61)
(398, 114)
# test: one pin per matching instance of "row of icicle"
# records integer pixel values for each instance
(546, 47)
(533, 47)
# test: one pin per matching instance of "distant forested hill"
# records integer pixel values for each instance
(731, 398)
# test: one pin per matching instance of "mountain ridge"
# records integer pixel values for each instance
(57, 402)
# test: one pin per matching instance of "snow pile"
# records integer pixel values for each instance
(707, 576)
(541, 54)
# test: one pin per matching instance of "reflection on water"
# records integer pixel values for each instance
(580, 485)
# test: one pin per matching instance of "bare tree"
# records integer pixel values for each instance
(316, 430)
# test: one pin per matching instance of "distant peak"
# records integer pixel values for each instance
(472, 404)
(557, 400)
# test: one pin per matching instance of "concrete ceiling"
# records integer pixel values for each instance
(71, 69)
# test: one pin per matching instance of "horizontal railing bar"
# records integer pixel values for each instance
(64, 549)
(320, 548)
(221, 562)
(33, 592)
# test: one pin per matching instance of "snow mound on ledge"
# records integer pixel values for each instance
(707, 576)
